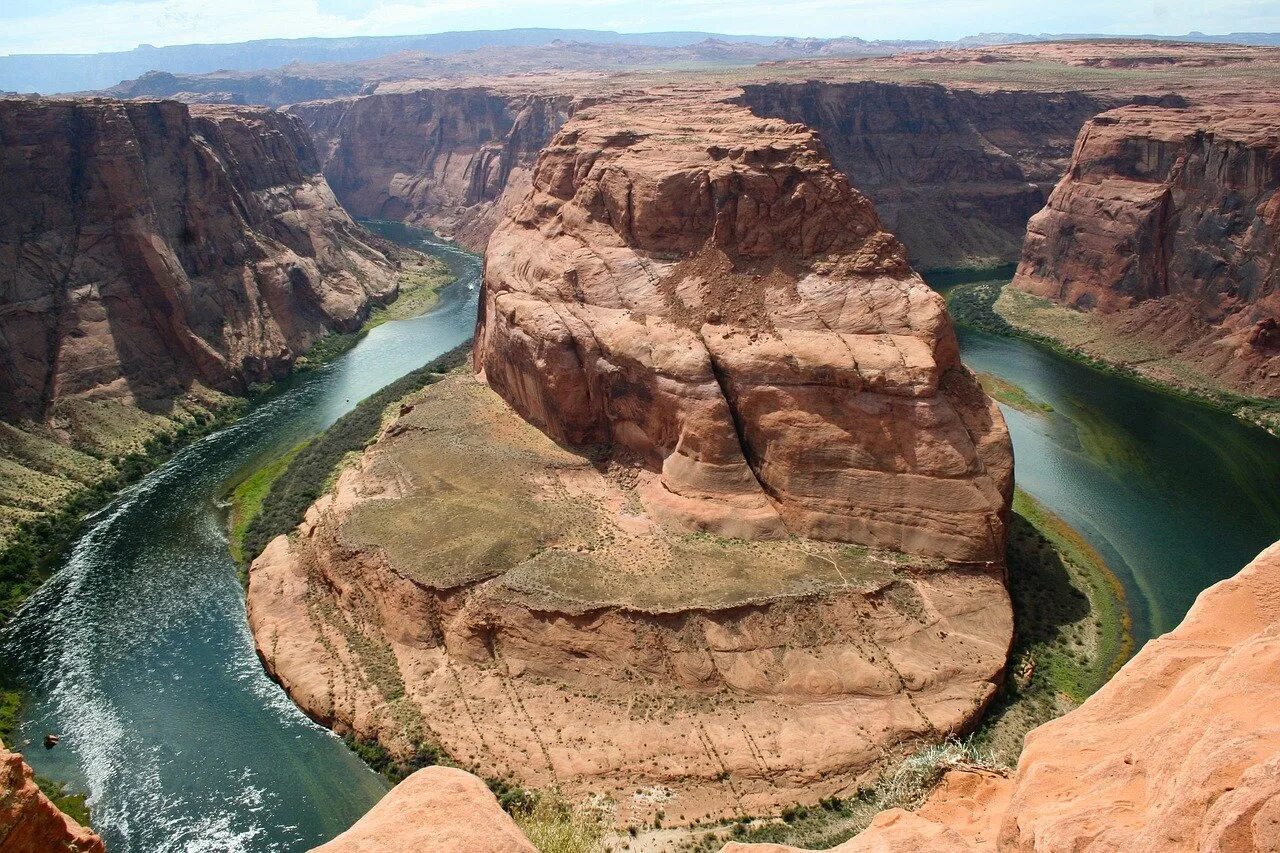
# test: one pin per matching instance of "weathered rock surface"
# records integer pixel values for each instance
(441, 158)
(437, 809)
(954, 173)
(472, 584)
(29, 821)
(700, 288)
(148, 246)
(1179, 752)
(1167, 225)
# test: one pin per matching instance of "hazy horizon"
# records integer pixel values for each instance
(102, 26)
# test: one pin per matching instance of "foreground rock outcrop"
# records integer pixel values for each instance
(700, 287)
(1180, 751)
(29, 821)
(442, 158)
(1167, 229)
(436, 809)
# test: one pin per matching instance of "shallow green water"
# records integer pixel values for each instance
(138, 652)
(1176, 496)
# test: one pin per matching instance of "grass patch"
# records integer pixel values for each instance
(554, 825)
(248, 494)
(68, 802)
(307, 475)
(1014, 396)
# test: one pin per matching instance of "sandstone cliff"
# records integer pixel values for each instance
(147, 246)
(441, 158)
(29, 822)
(1179, 752)
(1167, 226)
(954, 173)
(152, 256)
(700, 287)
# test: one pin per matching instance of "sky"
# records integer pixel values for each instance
(90, 26)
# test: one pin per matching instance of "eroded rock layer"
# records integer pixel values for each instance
(954, 173)
(147, 246)
(472, 585)
(1168, 226)
(442, 158)
(698, 287)
(1180, 751)
(29, 821)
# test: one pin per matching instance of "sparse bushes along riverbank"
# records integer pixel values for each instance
(307, 474)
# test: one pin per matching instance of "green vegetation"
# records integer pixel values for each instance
(553, 825)
(973, 305)
(307, 475)
(1012, 395)
(248, 494)
(419, 290)
(69, 802)
(36, 544)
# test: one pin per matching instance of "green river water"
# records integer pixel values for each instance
(138, 652)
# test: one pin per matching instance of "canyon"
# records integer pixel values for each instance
(716, 523)
(696, 344)
(1163, 238)
(154, 259)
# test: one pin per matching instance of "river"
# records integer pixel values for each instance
(138, 652)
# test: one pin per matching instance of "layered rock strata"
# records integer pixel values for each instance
(696, 327)
(1167, 229)
(29, 821)
(954, 173)
(698, 287)
(441, 158)
(149, 246)
(472, 585)
(1179, 752)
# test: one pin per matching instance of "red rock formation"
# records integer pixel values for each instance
(954, 173)
(439, 158)
(438, 809)
(1169, 223)
(145, 246)
(698, 286)
(29, 821)
(1180, 751)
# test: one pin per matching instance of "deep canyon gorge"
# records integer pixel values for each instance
(713, 523)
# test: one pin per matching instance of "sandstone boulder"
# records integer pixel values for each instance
(29, 821)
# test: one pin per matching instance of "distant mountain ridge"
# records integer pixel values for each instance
(60, 73)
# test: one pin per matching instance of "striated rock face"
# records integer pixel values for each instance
(1180, 751)
(438, 158)
(955, 174)
(438, 809)
(700, 288)
(1168, 224)
(29, 822)
(147, 246)
(472, 585)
